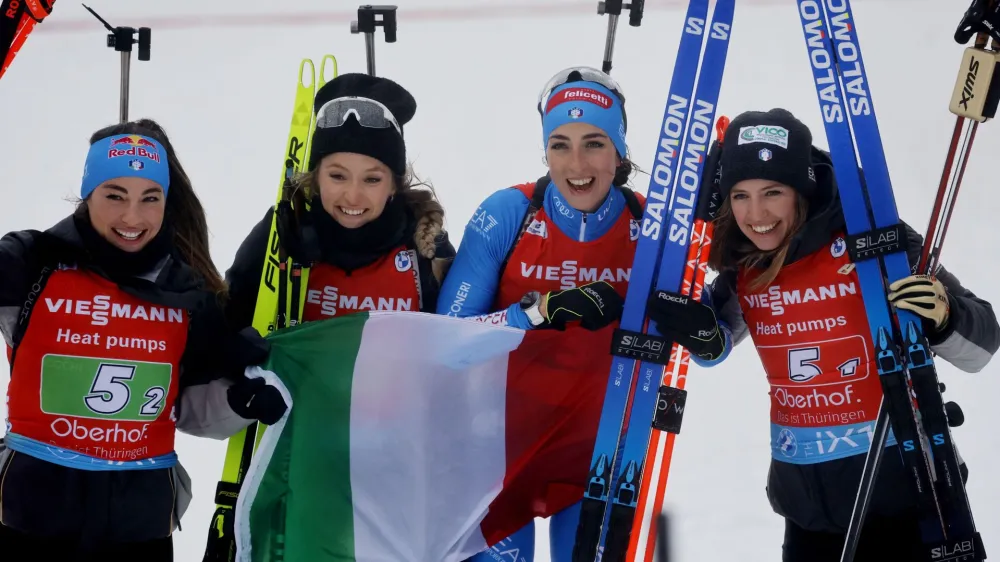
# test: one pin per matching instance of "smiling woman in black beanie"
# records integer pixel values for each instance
(371, 239)
(786, 280)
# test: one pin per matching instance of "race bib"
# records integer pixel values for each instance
(106, 389)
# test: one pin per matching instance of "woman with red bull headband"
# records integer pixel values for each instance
(786, 281)
(554, 257)
(115, 338)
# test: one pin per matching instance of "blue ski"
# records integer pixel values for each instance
(631, 343)
(877, 244)
(673, 263)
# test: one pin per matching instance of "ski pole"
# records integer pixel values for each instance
(613, 9)
(121, 40)
(974, 101)
(370, 17)
(976, 86)
(17, 20)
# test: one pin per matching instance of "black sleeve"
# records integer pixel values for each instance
(721, 296)
(15, 258)
(18, 271)
(215, 357)
(433, 271)
(972, 335)
(243, 277)
(216, 350)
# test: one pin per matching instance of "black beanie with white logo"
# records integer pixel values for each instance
(771, 145)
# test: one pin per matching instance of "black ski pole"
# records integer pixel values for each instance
(983, 20)
(121, 39)
(663, 538)
(613, 9)
(370, 17)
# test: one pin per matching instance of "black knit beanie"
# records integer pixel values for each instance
(385, 145)
(771, 145)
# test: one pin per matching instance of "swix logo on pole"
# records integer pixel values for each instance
(970, 83)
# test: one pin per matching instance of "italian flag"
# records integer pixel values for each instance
(409, 437)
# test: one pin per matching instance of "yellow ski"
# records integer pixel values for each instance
(272, 309)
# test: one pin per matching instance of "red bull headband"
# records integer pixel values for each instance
(120, 156)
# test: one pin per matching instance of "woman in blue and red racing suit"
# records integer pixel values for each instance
(554, 257)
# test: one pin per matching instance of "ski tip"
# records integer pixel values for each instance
(323, 79)
(303, 76)
(721, 124)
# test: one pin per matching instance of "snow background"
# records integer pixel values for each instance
(221, 81)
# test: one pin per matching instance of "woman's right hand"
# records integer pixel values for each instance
(594, 305)
(688, 322)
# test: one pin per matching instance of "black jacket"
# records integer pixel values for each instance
(820, 497)
(45, 499)
(435, 254)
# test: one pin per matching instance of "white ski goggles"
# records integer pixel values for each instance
(368, 113)
(575, 74)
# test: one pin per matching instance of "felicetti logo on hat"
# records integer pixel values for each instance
(769, 134)
(136, 146)
(588, 95)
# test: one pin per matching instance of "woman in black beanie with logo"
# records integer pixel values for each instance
(786, 280)
(370, 238)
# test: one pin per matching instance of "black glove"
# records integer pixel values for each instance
(595, 305)
(981, 17)
(687, 322)
(254, 399)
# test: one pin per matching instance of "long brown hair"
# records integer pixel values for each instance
(423, 203)
(184, 211)
(732, 249)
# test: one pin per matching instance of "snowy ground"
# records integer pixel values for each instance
(221, 82)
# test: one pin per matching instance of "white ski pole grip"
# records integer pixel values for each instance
(977, 88)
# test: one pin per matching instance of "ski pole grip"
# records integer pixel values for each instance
(977, 88)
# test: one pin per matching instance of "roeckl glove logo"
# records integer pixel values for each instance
(673, 298)
(595, 296)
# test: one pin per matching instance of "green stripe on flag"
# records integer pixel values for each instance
(393, 447)
(279, 530)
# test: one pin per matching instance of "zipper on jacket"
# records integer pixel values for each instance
(583, 227)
